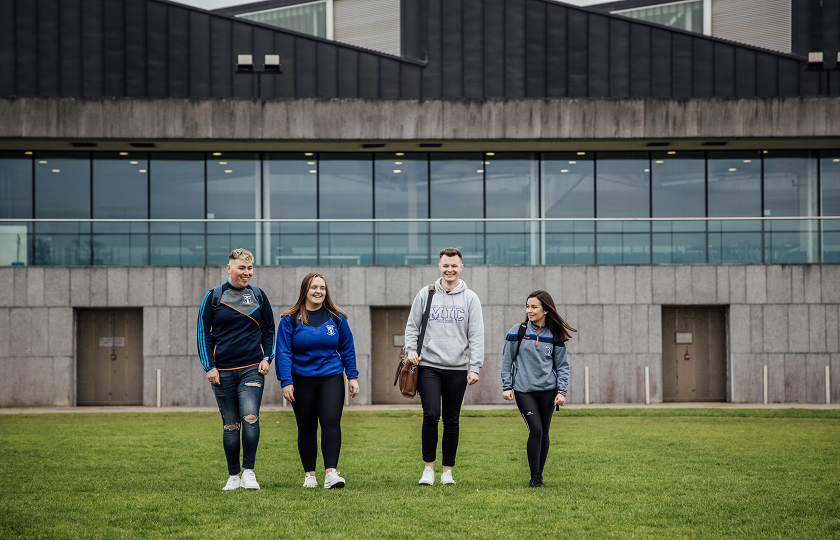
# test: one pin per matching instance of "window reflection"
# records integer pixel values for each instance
(15, 202)
(457, 191)
(346, 192)
(830, 182)
(790, 189)
(402, 191)
(679, 190)
(734, 191)
(512, 191)
(291, 184)
(233, 192)
(176, 190)
(120, 191)
(568, 191)
(623, 190)
(62, 191)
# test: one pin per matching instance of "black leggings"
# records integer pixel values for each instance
(318, 398)
(536, 409)
(435, 385)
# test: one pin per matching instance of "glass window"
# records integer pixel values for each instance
(62, 191)
(735, 191)
(402, 191)
(568, 191)
(15, 202)
(176, 190)
(457, 191)
(233, 192)
(120, 191)
(291, 184)
(679, 190)
(790, 189)
(684, 15)
(830, 181)
(308, 18)
(623, 191)
(346, 192)
(512, 191)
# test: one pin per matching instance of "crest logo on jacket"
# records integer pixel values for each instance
(331, 330)
(247, 298)
(548, 350)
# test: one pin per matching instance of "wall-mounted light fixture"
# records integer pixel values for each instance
(271, 66)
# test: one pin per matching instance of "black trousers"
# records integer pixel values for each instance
(318, 399)
(537, 409)
(435, 386)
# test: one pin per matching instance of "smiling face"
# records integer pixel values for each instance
(535, 311)
(240, 272)
(316, 293)
(450, 267)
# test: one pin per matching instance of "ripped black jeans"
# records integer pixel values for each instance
(239, 394)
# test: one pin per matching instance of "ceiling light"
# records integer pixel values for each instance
(398, 163)
(223, 163)
(43, 161)
(747, 161)
(28, 153)
(217, 153)
(397, 171)
(56, 170)
(309, 154)
(142, 170)
(313, 171)
(480, 170)
(733, 169)
(836, 160)
(659, 161)
(671, 152)
(134, 162)
(310, 163)
(400, 154)
(564, 170)
(647, 170)
(228, 171)
(573, 163)
(764, 151)
(123, 153)
(491, 153)
(581, 153)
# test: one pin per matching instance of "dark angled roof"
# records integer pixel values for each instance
(454, 49)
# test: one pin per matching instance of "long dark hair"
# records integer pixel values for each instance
(559, 328)
(299, 309)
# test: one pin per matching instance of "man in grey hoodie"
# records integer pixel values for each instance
(455, 326)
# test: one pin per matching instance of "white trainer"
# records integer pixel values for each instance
(446, 478)
(249, 480)
(310, 481)
(428, 477)
(333, 480)
(233, 482)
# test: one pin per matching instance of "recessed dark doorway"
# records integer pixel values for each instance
(694, 353)
(109, 357)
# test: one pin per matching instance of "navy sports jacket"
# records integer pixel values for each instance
(238, 332)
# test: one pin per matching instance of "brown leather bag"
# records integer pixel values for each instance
(406, 371)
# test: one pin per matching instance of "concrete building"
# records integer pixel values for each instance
(678, 194)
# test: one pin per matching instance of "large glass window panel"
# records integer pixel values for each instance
(734, 180)
(623, 191)
(15, 202)
(176, 191)
(291, 184)
(512, 191)
(402, 191)
(346, 192)
(120, 191)
(683, 15)
(830, 182)
(568, 191)
(309, 18)
(62, 191)
(790, 189)
(233, 192)
(679, 190)
(457, 191)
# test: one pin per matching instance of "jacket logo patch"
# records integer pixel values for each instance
(548, 351)
(331, 330)
(247, 298)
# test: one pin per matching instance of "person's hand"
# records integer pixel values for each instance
(508, 395)
(289, 393)
(213, 376)
(560, 399)
(264, 366)
(472, 377)
(413, 358)
(354, 387)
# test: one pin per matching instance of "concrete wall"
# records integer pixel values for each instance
(785, 317)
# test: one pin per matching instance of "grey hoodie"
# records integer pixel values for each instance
(455, 324)
(538, 364)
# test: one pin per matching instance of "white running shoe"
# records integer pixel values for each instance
(428, 477)
(446, 478)
(310, 481)
(249, 480)
(233, 482)
(333, 480)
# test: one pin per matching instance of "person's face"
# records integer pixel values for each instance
(536, 313)
(240, 272)
(317, 292)
(450, 267)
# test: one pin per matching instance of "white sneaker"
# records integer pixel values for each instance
(446, 478)
(310, 481)
(233, 482)
(333, 480)
(428, 477)
(249, 480)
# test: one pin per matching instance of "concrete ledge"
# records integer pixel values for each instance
(384, 120)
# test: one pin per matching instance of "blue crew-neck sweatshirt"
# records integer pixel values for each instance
(314, 351)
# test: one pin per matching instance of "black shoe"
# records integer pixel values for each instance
(531, 483)
(536, 481)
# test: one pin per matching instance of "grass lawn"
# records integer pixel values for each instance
(625, 473)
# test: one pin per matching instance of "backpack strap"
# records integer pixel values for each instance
(259, 294)
(217, 296)
(520, 335)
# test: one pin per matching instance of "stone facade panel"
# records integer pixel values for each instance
(35, 287)
(778, 284)
(606, 284)
(683, 285)
(722, 284)
(813, 283)
(573, 285)
(117, 286)
(704, 284)
(737, 284)
(664, 285)
(798, 329)
(644, 292)
(99, 287)
(739, 328)
(756, 281)
(593, 282)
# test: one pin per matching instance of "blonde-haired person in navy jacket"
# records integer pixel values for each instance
(535, 373)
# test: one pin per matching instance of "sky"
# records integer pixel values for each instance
(216, 4)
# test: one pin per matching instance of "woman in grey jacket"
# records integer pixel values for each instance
(535, 372)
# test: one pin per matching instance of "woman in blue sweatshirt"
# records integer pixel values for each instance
(535, 372)
(314, 349)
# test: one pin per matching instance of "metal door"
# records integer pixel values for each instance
(387, 339)
(109, 357)
(694, 353)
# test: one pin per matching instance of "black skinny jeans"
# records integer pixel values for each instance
(318, 399)
(435, 385)
(537, 409)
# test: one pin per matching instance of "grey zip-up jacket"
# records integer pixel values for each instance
(455, 325)
(538, 365)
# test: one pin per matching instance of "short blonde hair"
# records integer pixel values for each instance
(241, 255)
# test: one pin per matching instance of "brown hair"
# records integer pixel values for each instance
(450, 252)
(559, 328)
(299, 309)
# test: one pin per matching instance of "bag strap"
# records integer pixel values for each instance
(425, 319)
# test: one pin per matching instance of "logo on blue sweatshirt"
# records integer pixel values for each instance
(246, 298)
(331, 330)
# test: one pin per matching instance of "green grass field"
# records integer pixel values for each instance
(626, 473)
